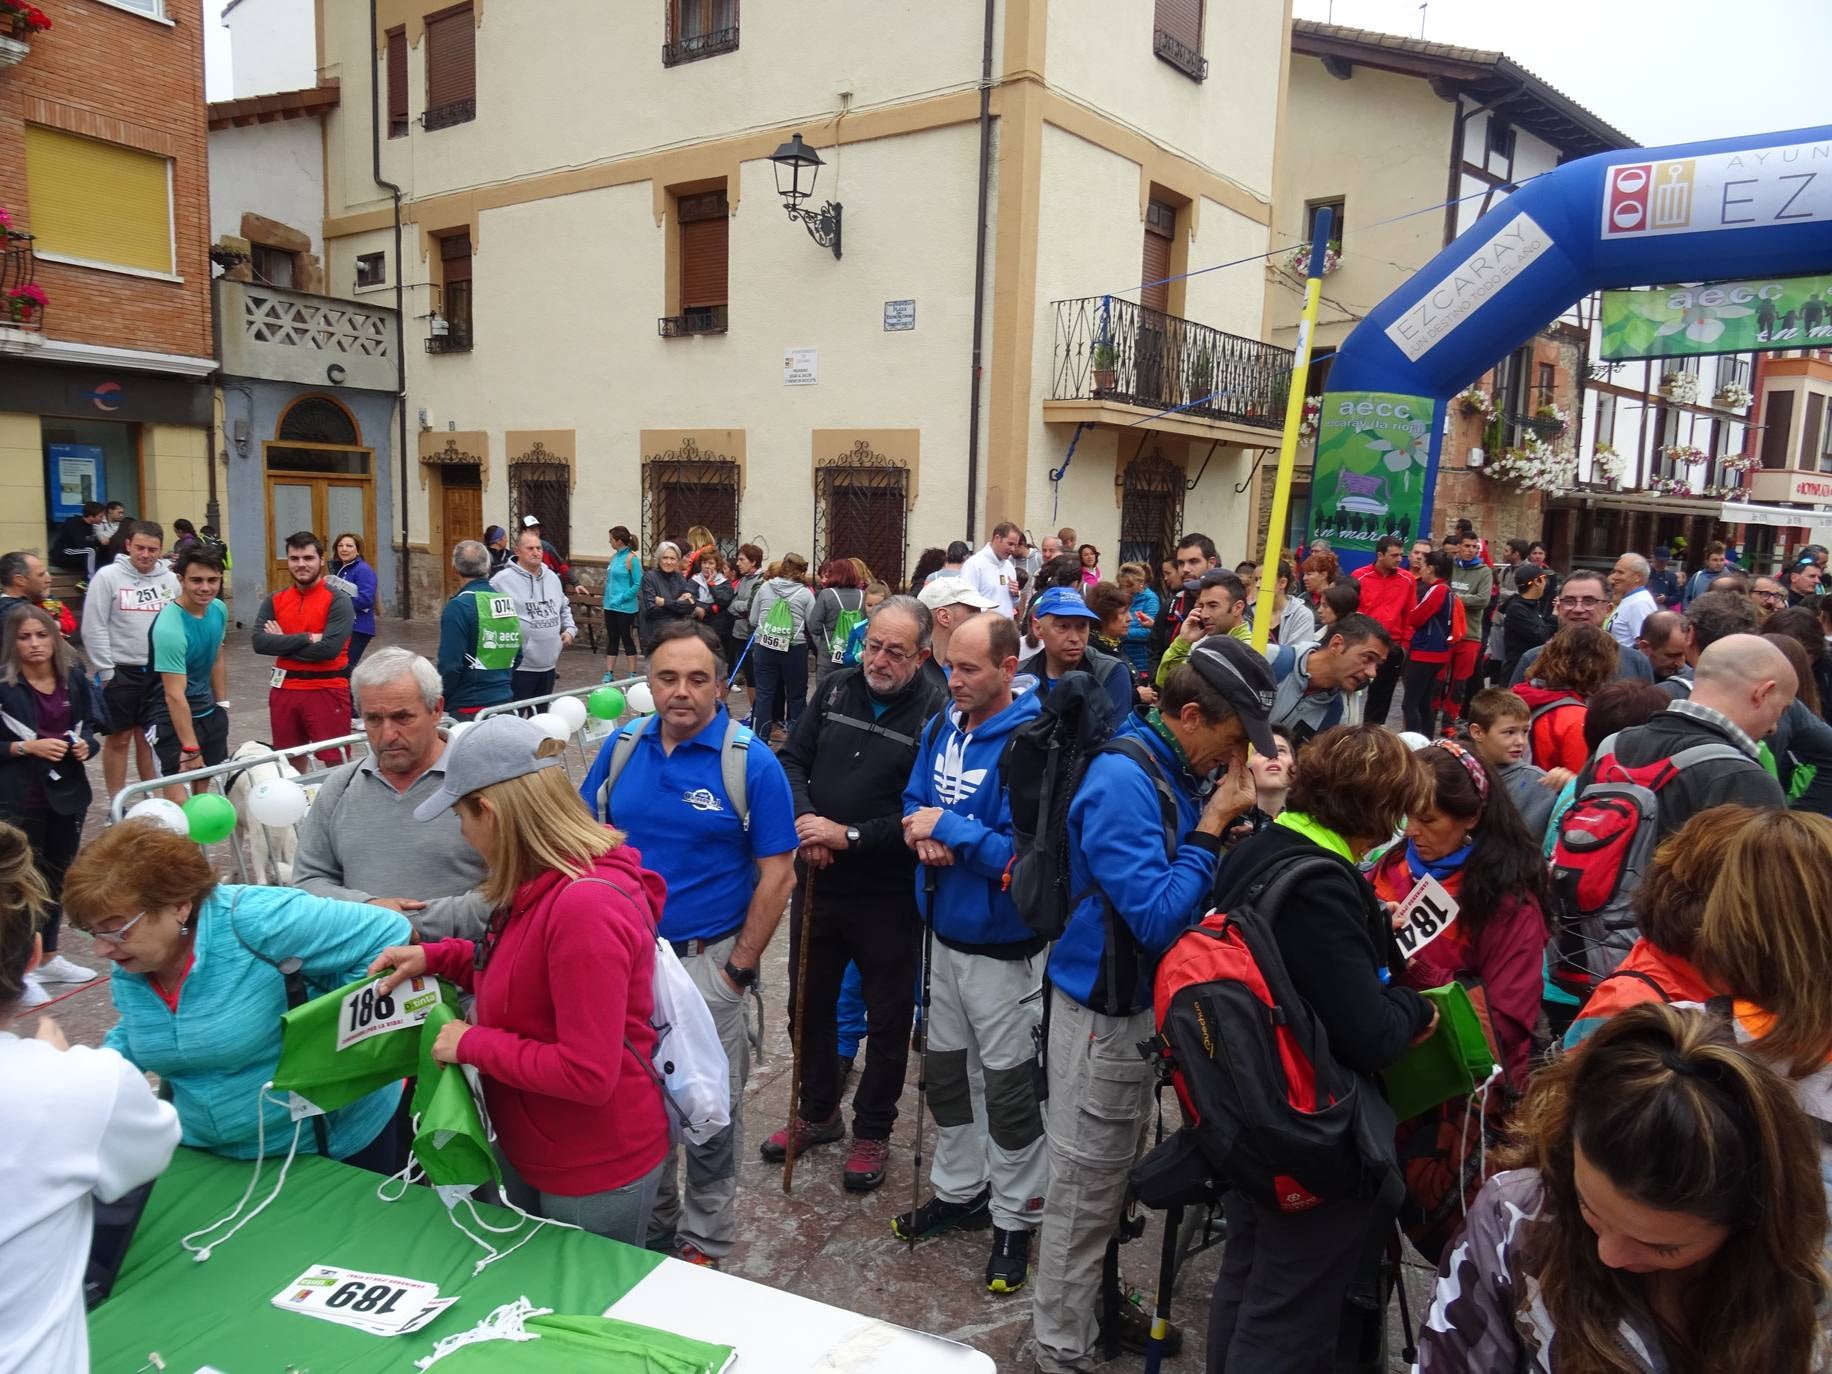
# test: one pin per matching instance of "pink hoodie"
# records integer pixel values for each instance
(567, 982)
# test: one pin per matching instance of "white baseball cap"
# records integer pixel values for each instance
(953, 591)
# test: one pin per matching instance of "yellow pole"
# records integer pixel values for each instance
(1263, 611)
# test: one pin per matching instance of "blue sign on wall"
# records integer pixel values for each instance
(74, 474)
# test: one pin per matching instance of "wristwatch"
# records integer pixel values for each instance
(743, 977)
(852, 836)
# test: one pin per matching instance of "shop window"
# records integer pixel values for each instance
(91, 460)
(98, 204)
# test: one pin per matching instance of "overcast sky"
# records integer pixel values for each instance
(1674, 73)
(1685, 70)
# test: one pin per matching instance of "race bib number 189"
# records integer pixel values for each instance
(367, 1011)
(1425, 914)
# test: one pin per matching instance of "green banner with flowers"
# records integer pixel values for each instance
(1371, 472)
(1724, 317)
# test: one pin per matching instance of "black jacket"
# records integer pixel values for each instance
(68, 541)
(68, 794)
(850, 766)
(1698, 787)
(1523, 626)
(1334, 937)
(668, 586)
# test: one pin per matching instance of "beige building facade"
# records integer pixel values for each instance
(609, 319)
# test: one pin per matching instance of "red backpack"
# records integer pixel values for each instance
(1271, 1111)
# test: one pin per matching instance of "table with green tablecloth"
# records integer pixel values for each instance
(219, 1313)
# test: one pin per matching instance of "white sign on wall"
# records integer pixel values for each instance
(899, 315)
(801, 366)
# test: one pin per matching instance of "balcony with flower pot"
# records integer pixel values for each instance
(19, 23)
(22, 300)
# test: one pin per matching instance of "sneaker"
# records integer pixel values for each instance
(606, 678)
(865, 1164)
(32, 994)
(1132, 1328)
(1009, 1266)
(58, 969)
(808, 1134)
(936, 1216)
(689, 1253)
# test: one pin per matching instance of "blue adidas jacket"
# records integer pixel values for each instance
(1116, 850)
(960, 773)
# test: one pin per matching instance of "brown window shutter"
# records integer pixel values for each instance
(1182, 20)
(397, 77)
(705, 239)
(1160, 224)
(451, 57)
(455, 257)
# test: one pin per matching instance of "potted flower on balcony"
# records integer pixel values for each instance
(1732, 396)
(1105, 361)
(1680, 386)
(1612, 465)
(25, 306)
(1297, 261)
(1199, 374)
(1473, 400)
(18, 22)
(1550, 422)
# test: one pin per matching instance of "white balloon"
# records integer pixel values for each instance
(161, 812)
(552, 726)
(277, 801)
(571, 710)
(640, 699)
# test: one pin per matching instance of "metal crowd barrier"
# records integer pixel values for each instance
(218, 776)
(593, 730)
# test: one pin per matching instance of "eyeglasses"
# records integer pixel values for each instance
(1769, 596)
(1580, 601)
(118, 936)
(891, 651)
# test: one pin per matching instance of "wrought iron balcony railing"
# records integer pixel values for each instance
(1115, 350)
(20, 300)
(456, 112)
(703, 319)
(1180, 55)
(695, 46)
(454, 340)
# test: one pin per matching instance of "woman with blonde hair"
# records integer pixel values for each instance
(1667, 1217)
(81, 1124)
(562, 979)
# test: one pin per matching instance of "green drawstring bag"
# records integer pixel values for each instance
(778, 629)
(1456, 1059)
(519, 1338)
(339, 1048)
(451, 1140)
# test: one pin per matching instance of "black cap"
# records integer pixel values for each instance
(1528, 572)
(1232, 668)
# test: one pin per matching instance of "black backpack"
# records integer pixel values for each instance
(1042, 766)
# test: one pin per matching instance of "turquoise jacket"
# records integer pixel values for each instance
(223, 1042)
(622, 576)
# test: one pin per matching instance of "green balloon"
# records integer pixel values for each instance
(605, 704)
(212, 817)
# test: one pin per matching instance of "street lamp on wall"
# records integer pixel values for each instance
(797, 166)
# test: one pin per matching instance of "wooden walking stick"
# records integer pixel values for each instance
(796, 1023)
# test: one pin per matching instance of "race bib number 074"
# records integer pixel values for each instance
(1425, 914)
(367, 1011)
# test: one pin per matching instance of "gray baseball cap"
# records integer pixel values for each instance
(491, 751)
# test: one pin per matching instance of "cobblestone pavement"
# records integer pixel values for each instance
(821, 1242)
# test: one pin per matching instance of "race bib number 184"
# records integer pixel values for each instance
(367, 1011)
(1425, 914)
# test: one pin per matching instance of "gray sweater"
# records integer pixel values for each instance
(360, 840)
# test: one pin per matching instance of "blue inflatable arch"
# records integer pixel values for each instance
(1757, 206)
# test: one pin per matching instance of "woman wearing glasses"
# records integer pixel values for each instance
(199, 989)
(561, 1031)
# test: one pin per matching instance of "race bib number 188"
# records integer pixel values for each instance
(366, 1011)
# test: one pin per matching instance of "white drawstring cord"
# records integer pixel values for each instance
(506, 1323)
(200, 1254)
(1478, 1094)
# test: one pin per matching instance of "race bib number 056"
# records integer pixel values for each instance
(367, 1011)
(1425, 914)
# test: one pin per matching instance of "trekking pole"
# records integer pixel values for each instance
(922, 1042)
(796, 1022)
(1167, 1281)
(746, 653)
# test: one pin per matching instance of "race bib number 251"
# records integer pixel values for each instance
(367, 1011)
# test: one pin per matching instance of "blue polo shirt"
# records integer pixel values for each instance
(674, 809)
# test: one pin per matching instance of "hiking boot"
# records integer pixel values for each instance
(936, 1216)
(865, 1164)
(807, 1134)
(689, 1253)
(1132, 1328)
(1009, 1266)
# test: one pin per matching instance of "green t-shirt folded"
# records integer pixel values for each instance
(1454, 1061)
(568, 1343)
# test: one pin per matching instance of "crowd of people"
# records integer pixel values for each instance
(1640, 1185)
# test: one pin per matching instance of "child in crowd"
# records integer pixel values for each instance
(1271, 775)
(875, 594)
(1498, 721)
